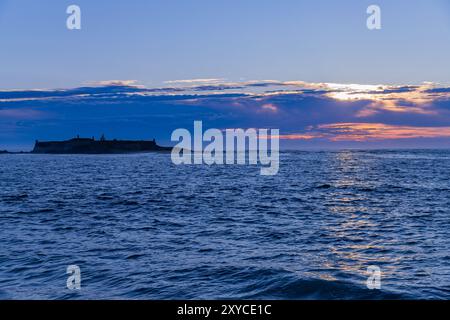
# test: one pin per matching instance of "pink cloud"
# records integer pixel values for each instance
(368, 132)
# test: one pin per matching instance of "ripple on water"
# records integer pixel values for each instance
(142, 228)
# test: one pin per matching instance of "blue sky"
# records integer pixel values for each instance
(310, 68)
(160, 40)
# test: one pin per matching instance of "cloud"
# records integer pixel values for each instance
(113, 83)
(403, 98)
(438, 90)
(298, 136)
(269, 107)
(369, 132)
(21, 114)
(305, 112)
(196, 81)
(219, 87)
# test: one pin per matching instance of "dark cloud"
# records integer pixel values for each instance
(124, 111)
(438, 90)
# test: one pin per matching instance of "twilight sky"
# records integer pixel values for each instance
(160, 40)
(310, 68)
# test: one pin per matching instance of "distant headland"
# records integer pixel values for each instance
(92, 146)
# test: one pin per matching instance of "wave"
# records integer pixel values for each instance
(252, 283)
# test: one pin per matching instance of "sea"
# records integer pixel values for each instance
(139, 227)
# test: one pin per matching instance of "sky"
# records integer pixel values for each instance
(279, 64)
(160, 40)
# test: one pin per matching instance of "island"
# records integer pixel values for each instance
(92, 146)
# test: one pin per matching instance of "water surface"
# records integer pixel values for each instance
(140, 227)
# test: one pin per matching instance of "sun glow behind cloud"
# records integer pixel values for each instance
(352, 91)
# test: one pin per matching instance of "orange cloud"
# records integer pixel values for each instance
(369, 132)
(380, 131)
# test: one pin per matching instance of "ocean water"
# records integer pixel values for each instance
(140, 227)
